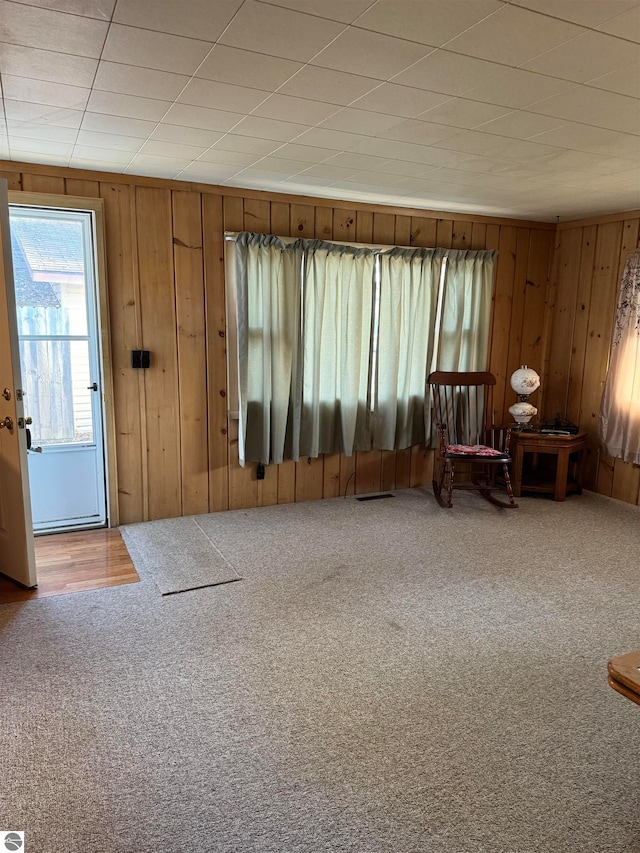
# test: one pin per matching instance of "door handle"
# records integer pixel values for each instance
(7, 423)
(93, 387)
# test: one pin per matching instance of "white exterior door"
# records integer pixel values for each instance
(55, 282)
(17, 559)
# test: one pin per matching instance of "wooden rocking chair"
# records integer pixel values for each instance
(463, 413)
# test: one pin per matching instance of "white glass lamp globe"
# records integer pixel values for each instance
(524, 381)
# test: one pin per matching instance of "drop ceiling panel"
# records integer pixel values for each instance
(246, 68)
(47, 65)
(147, 49)
(514, 108)
(198, 19)
(434, 25)
(34, 27)
(280, 32)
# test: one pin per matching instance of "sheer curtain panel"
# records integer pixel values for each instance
(409, 280)
(619, 422)
(336, 331)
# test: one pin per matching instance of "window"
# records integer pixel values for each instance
(335, 342)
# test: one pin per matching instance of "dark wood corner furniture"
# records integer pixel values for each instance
(467, 440)
(566, 478)
(624, 675)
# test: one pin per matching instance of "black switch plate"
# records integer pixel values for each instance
(140, 358)
(260, 471)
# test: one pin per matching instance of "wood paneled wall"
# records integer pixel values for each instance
(588, 264)
(177, 453)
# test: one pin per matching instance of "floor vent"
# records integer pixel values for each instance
(375, 497)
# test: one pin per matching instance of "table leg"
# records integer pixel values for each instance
(562, 473)
(516, 471)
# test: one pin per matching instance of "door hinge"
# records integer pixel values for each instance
(19, 394)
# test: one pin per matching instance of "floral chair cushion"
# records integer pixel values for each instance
(473, 450)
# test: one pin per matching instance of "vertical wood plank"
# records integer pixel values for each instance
(213, 248)
(192, 361)
(478, 235)
(537, 281)
(324, 223)
(13, 179)
(601, 313)
(518, 319)
(586, 260)
(51, 184)
(626, 482)
(126, 334)
(157, 300)
(82, 188)
(444, 233)
(423, 232)
(461, 236)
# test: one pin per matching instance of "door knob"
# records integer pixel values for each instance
(7, 423)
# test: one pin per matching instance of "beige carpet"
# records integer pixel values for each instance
(388, 677)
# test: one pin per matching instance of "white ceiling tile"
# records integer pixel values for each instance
(306, 153)
(39, 151)
(195, 18)
(521, 125)
(147, 49)
(254, 175)
(361, 162)
(315, 83)
(492, 146)
(100, 9)
(35, 130)
(207, 172)
(590, 55)
(117, 125)
(374, 55)
(186, 115)
(361, 121)
(44, 92)
(221, 96)
(589, 13)
(25, 111)
(34, 27)
(404, 168)
(229, 158)
(380, 179)
(308, 186)
(95, 165)
(626, 25)
(323, 170)
(594, 107)
(156, 167)
(287, 108)
(47, 65)
(194, 136)
(399, 100)
(268, 128)
(517, 88)
(280, 32)
(109, 140)
(128, 106)
(434, 24)
(145, 82)
(281, 164)
(246, 68)
(592, 139)
(449, 73)
(513, 35)
(460, 112)
(325, 138)
(247, 144)
(93, 152)
(419, 132)
(175, 150)
(345, 11)
(396, 149)
(625, 81)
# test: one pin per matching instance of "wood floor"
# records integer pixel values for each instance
(75, 562)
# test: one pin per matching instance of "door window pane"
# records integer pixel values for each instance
(55, 375)
(49, 271)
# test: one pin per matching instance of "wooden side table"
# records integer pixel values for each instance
(564, 447)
